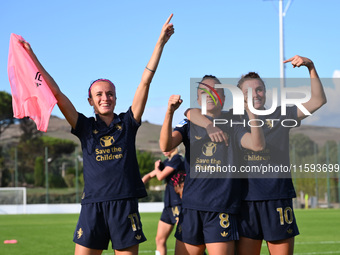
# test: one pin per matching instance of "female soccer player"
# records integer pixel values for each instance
(267, 210)
(112, 181)
(209, 205)
(167, 170)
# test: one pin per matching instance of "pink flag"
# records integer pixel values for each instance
(31, 96)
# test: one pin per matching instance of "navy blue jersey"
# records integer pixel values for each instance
(171, 198)
(278, 185)
(205, 192)
(111, 170)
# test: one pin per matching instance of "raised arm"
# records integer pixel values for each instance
(169, 140)
(64, 104)
(318, 97)
(141, 95)
(146, 178)
(159, 174)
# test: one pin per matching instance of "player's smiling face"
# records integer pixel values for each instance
(103, 98)
(258, 92)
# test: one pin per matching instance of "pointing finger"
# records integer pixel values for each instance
(288, 60)
(168, 20)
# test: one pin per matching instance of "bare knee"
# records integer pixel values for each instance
(160, 240)
(246, 246)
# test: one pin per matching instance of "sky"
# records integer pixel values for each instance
(80, 41)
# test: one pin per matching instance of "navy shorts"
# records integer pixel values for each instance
(170, 214)
(271, 220)
(118, 221)
(201, 227)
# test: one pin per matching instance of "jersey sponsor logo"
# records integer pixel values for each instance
(80, 233)
(290, 231)
(138, 237)
(118, 127)
(224, 234)
(95, 131)
(107, 141)
(256, 156)
(209, 149)
(108, 153)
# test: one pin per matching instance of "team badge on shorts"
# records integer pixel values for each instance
(79, 233)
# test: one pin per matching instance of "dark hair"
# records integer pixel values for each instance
(208, 76)
(250, 76)
(212, 77)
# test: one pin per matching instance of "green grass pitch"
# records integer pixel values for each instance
(53, 233)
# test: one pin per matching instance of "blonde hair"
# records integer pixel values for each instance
(173, 152)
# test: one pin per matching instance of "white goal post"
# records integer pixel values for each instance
(13, 200)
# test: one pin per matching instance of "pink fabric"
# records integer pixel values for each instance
(31, 96)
